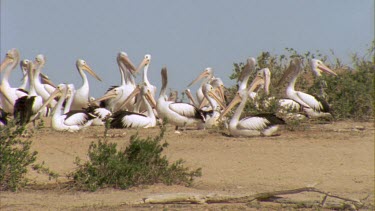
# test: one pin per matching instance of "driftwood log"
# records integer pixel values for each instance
(191, 198)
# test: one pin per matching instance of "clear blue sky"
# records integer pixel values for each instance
(186, 36)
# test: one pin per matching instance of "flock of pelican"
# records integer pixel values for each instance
(132, 105)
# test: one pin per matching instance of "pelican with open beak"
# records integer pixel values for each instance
(81, 96)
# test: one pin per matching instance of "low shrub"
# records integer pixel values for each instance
(141, 163)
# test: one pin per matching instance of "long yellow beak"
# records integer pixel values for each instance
(110, 94)
(326, 69)
(144, 62)
(57, 92)
(237, 99)
(202, 75)
(128, 64)
(216, 98)
(89, 70)
(150, 99)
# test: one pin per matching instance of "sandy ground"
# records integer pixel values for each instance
(338, 157)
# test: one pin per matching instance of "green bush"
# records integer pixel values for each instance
(15, 157)
(141, 163)
(350, 95)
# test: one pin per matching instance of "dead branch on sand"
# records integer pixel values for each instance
(191, 198)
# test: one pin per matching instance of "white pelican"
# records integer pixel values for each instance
(9, 95)
(102, 114)
(313, 106)
(260, 124)
(145, 64)
(43, 89)
(212, 117)
(127, 86)
(73, 120)
(25, 78)
(178, 114)
(28, 107)
(127, 119)
(81, 96)
(41, 79)
(206, 75)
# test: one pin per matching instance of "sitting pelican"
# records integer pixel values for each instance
(312, 105)
(8, 94)
(81, 96)
(260, 124)
(178, 114)
(127, 86)
(127, 119)
(73, 120)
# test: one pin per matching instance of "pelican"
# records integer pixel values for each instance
(178, 114)
(212, 116)
(260, 124)
(25, 78)
(81, 96)
(9, 95)
(127, 86)
(73, 120)
(41, 80)
(28, 107)
(206, 75)
(313, 106)
(43, 90)
(127, 119)
(93, 108)
(145, 64)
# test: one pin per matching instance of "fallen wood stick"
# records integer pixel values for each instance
(216, 198)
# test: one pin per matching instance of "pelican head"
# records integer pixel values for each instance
(318, 67)
(209, 90)
(82, 65)
(146, 60)
(207, 73)
(218, 85)
(248, 68)
(40, 60)
(13, 55)
(265, 75)
(122, 58)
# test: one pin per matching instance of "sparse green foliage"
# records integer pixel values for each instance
(141, 163)
(350, 94)
(15, 157)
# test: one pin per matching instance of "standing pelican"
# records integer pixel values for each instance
(43, 90)
(260, 124)
(28, 107)
(145, 64)
(178, 114)
(81, 96)
(314, 106)
(73, 120)
(128, 119)
(9, 95)
(127, 86)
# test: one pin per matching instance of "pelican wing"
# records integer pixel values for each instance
(253, 123)
(126, 119)
(186, 109)
(310, 100)
(77, 117)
